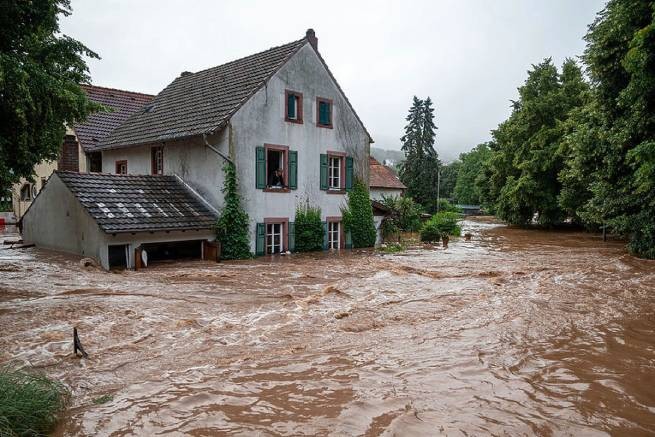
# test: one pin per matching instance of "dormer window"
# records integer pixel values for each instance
(293, 106)
(323, 112)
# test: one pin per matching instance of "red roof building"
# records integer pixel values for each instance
(383, 181)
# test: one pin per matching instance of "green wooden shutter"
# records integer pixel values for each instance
(291, 106)
(325, 235)
(349, 173)
(349, 240)
(324, 172)
(260, 168)
(292, 237)
(293, 169)
(260, 248)
(324, 113)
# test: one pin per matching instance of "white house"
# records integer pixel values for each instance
(280, 109)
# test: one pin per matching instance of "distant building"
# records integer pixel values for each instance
(383, 181)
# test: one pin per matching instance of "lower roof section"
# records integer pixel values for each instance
(139, 203)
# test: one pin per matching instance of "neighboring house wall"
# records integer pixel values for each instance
(259, 122)
(379, 193)
(199, 166)
(42, 172)
(72, 158)
(58, 221)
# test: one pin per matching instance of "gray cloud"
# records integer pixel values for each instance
(469, 56)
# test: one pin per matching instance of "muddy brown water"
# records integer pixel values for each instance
(512, 333)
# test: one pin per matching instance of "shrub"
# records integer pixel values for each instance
(358, 216)
(405, 213)
(440, 224)
(446, 206)
(232, 225)
(30, 403)
(308, 229)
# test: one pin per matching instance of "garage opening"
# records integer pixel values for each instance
(118, 256)
(174, 250)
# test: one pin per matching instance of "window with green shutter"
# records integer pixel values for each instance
(292, 237)
(260, 239)
(324, 112)
(324, 171)
(260, 167)
(349, 173)
(293, 107)
(293, 169)
(325, 235)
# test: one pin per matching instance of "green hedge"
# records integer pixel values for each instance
(440, 224)
(358, 216)
(308, 229)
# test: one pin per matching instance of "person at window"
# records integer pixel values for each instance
(277, 179)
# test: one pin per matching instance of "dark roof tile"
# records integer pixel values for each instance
(201, 102)
(382, 176)
(134, 203)
(100, 124)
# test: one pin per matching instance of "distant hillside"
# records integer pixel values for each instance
(381, 155)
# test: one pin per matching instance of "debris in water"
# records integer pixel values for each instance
(77, 345)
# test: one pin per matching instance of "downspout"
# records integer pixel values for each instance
(215, 150)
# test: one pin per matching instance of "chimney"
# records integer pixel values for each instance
(311, 37)
(186, 73)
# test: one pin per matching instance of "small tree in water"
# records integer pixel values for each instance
(358, 216)
(232, 225)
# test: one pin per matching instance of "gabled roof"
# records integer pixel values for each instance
(133, 203)
(100, 124)
(203, 102)
(381, 176)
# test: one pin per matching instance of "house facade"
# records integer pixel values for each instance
(279, 116)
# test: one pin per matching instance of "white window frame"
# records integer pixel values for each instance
(334, 235)
(273, 230)
(334, 172)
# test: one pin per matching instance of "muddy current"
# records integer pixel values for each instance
(512, 333)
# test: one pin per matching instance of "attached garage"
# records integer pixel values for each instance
(115, 218)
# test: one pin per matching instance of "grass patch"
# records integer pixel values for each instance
(392, 247)
(30, 403)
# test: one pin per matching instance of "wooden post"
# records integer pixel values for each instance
(138, 263)
(77, 345)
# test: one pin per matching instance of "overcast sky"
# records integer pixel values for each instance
(469, 56)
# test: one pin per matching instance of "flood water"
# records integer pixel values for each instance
(513, 333)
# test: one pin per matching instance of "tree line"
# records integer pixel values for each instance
(579, 144)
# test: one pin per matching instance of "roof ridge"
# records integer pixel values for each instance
(89, 85)
(248, 56)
